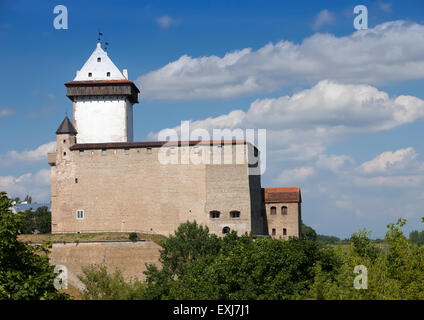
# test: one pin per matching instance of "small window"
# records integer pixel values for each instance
(273, 210)
(235, 214)
(99, 59)
(273, 232)
(90, 74)
(172, 150)
(64, 141)
(214, 214)
(80, 214)
(149, 150)
(284, 210)
(219, 148)
(284, 232)
(104, 152)
(127, 151)
(76, 180)
(108, 74)
(64, 153)
(255, 152)
(225, 230)
(196, 150)
(81, 153)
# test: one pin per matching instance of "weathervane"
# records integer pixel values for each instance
(100, 36)
(106, 45)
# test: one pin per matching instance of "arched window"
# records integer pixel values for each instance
(225, 230)
(273, 232)
(214, 214)
(273, 210)
(283, 210)
(235, 214)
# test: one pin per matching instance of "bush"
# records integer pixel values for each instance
(133, 236)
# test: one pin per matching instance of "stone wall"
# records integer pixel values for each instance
(128, 257)
(125, 190)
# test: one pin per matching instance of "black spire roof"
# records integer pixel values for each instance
(66, 127)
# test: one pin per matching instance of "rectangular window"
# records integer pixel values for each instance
(273, 232)
(80, 214)
(172, 150)
(273, 210)
(127, 151)
(284, 232)
(104, 152)
(81, 153)
(149, 150)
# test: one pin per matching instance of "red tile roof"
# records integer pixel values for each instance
(151, 144)
(284, 194)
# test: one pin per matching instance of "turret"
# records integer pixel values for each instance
(65, 137)
(103, 99)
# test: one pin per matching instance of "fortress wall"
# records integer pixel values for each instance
(129, 257)
(132, 191)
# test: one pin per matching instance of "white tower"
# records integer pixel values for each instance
(103, 99)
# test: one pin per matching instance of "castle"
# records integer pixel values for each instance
(103, 181)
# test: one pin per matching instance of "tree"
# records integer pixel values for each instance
(39, 220)
(308, 233)
(25, 272)
(190, 242)
(101, 285)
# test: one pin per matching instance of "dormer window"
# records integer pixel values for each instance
(90, 74)
(108, 74)
(99, 59)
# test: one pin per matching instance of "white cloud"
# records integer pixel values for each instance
(166, 21)
(322, 18)
(391, 51)
(392, 162)
(28, 156)
(295, 176)
(301, 126)
(333, 162)
(6, 112)
(36, 185)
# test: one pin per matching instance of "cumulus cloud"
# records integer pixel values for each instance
(391, 51)
(301, 126)
(37, 185)
(28, 156)
(322, 18)
(391, 162)
(295, 176)
(6, 112)
(166, 21)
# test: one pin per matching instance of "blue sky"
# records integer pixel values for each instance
(353, 143)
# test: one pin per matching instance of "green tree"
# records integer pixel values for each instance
(101, 285)
(308, 233)
(39, 220)
(189, 243)
(25, 272)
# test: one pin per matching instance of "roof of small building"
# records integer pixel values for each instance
(282, 195)
(152, 144)
(66, 127)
